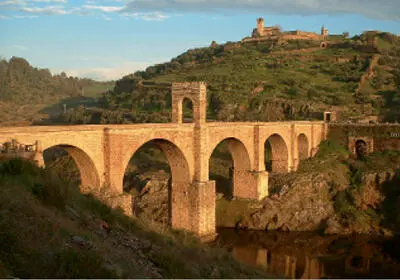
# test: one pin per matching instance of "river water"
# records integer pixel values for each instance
(310, 255)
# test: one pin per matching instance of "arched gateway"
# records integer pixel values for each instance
(102, 153)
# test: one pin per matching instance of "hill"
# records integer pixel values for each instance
(25, 91)
(50, 230)
(275, 80)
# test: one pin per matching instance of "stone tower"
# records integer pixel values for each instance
(260, 26)
(324, 31)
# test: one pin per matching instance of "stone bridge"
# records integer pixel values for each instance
(102, 153)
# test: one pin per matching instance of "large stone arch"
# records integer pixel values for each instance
(303, 147)
(276, 154)
(241, 166)
(89, 174)
(181, 180)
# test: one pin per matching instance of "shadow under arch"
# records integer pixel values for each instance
(241, 165)
(177, 168)
(89, 177)
(303, 147)
(276, 154)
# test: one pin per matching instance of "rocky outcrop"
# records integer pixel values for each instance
(304, 205)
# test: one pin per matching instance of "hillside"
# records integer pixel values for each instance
(50, 230)
(26, 92)
(275, 80)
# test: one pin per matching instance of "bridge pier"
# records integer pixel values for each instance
(193, 207)
(250, 184)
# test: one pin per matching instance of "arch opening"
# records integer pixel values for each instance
(229, 166)
(276, 154)
(361, 149)
(302, 147)
(74, 165)
(228, 159)
(156, 176)
(187, 110)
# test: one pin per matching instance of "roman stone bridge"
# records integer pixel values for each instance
(102, 153)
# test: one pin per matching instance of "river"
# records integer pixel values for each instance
(311, 255)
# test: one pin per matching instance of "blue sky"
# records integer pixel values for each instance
(110, 38)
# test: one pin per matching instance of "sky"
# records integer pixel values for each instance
(108, 39)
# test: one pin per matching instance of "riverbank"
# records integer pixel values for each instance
(309, 255)
(332, 193)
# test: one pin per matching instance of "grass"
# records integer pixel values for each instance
(41, 215)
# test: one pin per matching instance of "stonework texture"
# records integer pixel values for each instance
(102, 153)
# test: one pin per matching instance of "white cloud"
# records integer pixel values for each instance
(107, 74)
(4, 17)
(11, 3)
(24, 16)
(48, 10)
(150, 16)
(18, 47)
(104, 9)
(157, 9)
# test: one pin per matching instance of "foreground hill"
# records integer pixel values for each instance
(275, 80)
(26, 91)
(49, 230)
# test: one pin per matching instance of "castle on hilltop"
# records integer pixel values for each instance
(274, 32)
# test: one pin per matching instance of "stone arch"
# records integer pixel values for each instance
(361, 148)
(276, 154)
(241, 167)
(303, 147)
(180, 183)
(89, 176)
(197, 93)
(323, 45)
(187, 106)
(176, 159)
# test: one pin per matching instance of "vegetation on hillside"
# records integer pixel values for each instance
(269, 81)
(26, 92)
(50, 230)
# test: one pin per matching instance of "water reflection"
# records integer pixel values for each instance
(311, 256)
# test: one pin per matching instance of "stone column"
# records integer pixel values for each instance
(176, 109)
(181, 206)
(250, 184)
(202, 206)
(38, 159)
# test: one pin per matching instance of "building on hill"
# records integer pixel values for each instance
(261, 33)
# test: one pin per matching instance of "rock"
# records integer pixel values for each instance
(80, 241)
(386, 232)
(284, 190)
(283, 228)
(333, 226)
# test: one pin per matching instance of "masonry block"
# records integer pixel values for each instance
(250, 184)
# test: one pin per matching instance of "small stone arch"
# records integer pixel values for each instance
(89, 177)
(303, 147)
(179, 203)
(361, 148)
(323, 45)
(241, 166)
(197, 93)
(276, 154)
